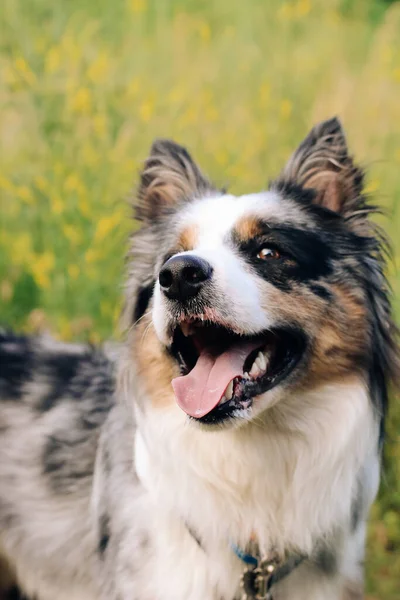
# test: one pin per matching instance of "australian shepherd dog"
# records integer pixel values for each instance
(230, 448)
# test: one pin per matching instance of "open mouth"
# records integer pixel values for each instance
(223, 372)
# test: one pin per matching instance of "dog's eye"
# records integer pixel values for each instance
(268, 254)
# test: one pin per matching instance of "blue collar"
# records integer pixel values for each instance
(248, 559)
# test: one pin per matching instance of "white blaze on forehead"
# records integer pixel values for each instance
(216, 216)
(213, 219)
(236, 286)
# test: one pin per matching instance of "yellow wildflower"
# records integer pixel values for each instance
(211, 114)
(372, 186)
(303, 7)
(221, 157)
(64, 331)
(56, 203)
(137, 6)
(286, 11)
(73, 271)
(21, 248)
(25, 71)
(89, 155)
(74, 184)
(9, 76)
(84, 207)
(81, 101)
(52, 60)
(264, 94)
(59, 167)
(100, 125)
(146, 110)
(396, 74)
(94, 337)
(41, 183)
(25, 194)
(99, 69)
(72, 234)
(91, 256)
(6, 184)
(105, 226)
(205, 31)
(41, 266)
(189, 116)
(285, 109)
(133, 87)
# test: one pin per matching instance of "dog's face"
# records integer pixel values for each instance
(241, 300)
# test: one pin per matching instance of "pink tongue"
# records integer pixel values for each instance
(200, 391)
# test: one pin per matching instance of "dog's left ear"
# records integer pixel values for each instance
(322, 163)
(169, 177)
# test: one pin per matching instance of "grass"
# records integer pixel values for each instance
(86, 86)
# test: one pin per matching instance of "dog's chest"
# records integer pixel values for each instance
(225, 497)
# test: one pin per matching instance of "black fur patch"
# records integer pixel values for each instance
(60, 370)
(104, 533)
(76, 377)
(15, 594)
(144, 296)
(88, 386)
(58, 461)
(356, 509)
(326, 560)
(304, 255)
(321, 291)
(289, 189)
(16, 363)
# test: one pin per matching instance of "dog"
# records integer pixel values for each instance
(230, 447)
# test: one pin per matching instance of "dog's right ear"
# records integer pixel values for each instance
(169, 177)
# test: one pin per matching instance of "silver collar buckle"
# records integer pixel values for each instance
(255, 582)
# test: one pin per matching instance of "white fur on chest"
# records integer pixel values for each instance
(288, 485)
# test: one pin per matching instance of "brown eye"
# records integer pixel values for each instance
(268, 254)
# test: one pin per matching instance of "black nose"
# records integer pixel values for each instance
(182, 277)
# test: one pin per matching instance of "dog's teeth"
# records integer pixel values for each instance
(261, 362)
(267, 355)
(229, 390)
(246, 376)
(255, 371)
(223, 400)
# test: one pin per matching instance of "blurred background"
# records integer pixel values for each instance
(85, 86)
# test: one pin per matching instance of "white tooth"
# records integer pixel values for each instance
(229, 390)
(246, 376)
(266, 356)
(260, 360)
(254, 370)
(223, 400)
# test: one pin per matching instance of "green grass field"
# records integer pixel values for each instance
(86, 86)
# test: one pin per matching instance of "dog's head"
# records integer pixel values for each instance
(237, 301)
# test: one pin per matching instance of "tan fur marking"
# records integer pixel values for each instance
(338, 330)
(188, 238)
(154, 367)
(247, 228)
